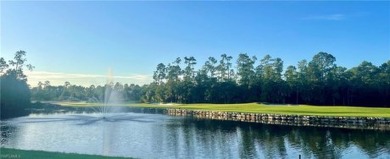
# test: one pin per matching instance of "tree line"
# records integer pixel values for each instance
(247, 79)
(69, 92)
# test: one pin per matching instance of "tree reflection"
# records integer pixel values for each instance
(275, 141)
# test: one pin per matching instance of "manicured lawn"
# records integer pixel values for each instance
(262, 108)
(7, 153)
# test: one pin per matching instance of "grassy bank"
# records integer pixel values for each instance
(263, 108)
(7, 153)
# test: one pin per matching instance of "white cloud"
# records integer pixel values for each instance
(58, 78)
(335, 17)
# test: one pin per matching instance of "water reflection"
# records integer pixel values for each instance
(273, 141)
(160, 136)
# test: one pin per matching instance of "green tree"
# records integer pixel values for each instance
(189, 72)
(224, 67)
(384, 82)
(210, 67)
(3, 65)
(174, 73)
(364, 84)
(320, 66)
(318, 73)
(160, 74)
(15, 93)
(291, 76)
(270, 73)
(245, 69)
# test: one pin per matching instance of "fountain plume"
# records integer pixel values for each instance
(112, 98)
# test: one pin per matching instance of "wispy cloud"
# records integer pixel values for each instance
(58, 78)
(334, 17)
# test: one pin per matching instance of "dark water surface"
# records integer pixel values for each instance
(160, 136)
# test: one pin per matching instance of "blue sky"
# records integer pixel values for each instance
(80, 41)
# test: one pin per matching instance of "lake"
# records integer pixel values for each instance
(143, 135)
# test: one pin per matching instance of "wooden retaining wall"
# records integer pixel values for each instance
(373, 123)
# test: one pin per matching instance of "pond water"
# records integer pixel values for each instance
(143, 135)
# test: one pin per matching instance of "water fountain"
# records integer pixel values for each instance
(111, 101)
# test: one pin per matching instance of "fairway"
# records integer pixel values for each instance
(345, 111)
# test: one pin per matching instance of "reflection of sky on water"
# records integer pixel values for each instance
(160, 136)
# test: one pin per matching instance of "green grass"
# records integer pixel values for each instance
(7, 153)
(349, 111)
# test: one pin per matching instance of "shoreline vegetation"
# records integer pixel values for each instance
(8, 153)
(338, 111)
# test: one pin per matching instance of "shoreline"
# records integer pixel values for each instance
(366, 123)
(282, 109)
(12, 153)
(207, 111)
